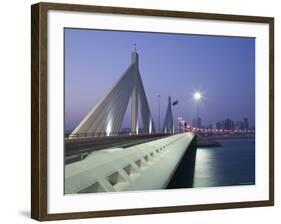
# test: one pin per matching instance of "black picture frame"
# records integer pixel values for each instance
(39, 106)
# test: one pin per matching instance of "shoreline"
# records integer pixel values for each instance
(213, 141)
(227, 137)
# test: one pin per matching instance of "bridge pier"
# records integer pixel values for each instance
(183, 177)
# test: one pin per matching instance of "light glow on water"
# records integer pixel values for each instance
(204, 174)
(231, 164)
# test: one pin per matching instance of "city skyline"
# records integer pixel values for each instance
(181, 64)
(226, 123)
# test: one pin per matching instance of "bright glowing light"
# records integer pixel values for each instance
(108, 127)
(137, 128)
(197, 96)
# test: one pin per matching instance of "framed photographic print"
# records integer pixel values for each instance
(140, 111)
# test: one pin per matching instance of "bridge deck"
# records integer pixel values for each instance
(77, 149)
(147, 166)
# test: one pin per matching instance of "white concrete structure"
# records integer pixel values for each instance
(107, 116)
(168, 126)
(142, 167)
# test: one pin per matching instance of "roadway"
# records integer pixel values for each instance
(78, 149)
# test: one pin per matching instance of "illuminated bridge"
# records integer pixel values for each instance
(98, 157)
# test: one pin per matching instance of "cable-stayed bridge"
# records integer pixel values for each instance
(99, 158)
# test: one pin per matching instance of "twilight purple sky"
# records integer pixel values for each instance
(175, 65)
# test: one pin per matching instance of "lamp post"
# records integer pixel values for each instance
(179, 123)
(197, 96)
(159, 97)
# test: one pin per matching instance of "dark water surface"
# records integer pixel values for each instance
(231, 164)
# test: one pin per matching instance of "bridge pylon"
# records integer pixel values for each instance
(168, 126)
(108, 115)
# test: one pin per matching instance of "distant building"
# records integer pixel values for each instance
(220, 124)
(246, 123)
(228, 124)
(196, 122)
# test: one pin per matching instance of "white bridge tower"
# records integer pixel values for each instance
(107, 116)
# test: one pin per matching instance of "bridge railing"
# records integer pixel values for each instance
(194, 130)
(104, 134)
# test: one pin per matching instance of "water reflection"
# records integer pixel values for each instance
(204, 173)
(231, 164)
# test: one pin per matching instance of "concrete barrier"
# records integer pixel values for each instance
(142, 167)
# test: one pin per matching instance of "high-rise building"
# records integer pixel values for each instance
(246, 123)
(228, 124)
(220, 125)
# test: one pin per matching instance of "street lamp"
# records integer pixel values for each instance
(197, 96)
(179, 123)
